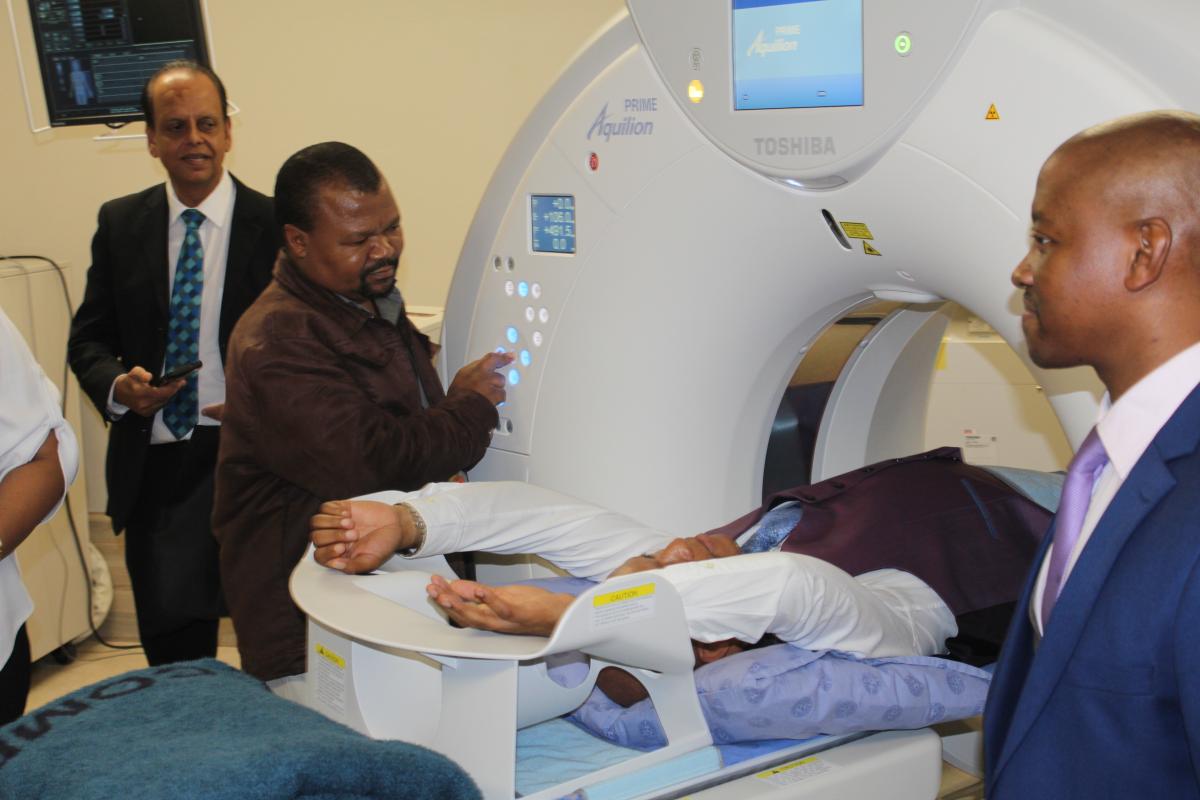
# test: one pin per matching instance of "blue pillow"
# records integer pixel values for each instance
(785, 692)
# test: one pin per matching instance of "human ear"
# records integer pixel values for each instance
(296, 240)
(708, 652)
(1150, 257)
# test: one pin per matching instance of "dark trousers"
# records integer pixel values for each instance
(14, 680)
(171, 553)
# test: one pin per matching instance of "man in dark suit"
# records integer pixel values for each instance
(173, 267)
(1097, 692)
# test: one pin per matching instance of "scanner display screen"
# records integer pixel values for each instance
(552, 223)
(797, 54)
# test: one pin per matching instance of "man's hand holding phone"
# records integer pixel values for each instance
(144, 394)
(176, 373)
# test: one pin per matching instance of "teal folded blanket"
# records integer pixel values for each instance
(205, 731)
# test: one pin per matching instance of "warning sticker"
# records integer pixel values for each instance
(992, 113)
(870, 250)
(856, 230)
(796, 771)
(623, 605)
(980, 448)
(331, 680)
(325, 652)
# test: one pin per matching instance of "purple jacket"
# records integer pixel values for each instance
(957, 527)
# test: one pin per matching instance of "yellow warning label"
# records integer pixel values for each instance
(632, 593)
(940, 363)
(787, 767)
(331, 656)
(992, 113)
(869, 250)
(856, 230)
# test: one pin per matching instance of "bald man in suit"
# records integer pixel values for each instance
(1097, 692)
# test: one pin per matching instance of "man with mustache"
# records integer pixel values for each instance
(331, 392)
(194, 251)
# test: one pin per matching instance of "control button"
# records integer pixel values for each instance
(543, 315)
(505, 425)
(502, 350)
(529, 313)
(514, 377)
(523, 289)
(537, 338)
(509, 288)
(526, 358)
(903, 43)
(497, 262)
(511, 264)
(536, 290)
(512, 335)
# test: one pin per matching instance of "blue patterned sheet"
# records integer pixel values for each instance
(785, 692)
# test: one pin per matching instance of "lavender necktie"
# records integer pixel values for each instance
(1072, 508)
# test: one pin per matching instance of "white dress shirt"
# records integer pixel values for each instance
(1126, 428)
(217, 209)
(29, 411)
(800, 599)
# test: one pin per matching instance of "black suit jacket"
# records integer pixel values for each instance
(122, 322)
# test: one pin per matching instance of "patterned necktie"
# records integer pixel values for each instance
(775, 526)
(1072, 508)
(183, 332)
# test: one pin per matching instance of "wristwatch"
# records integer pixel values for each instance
(422, 531)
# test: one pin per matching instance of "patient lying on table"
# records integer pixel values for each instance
(731, 602)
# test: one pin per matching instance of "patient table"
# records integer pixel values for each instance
(383, 660)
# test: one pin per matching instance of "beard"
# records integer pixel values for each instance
(375, 292)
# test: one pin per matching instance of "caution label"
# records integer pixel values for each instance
(624, 605)
(333, 657)
(795, 772)
(992, 113)
(856, 230)
(870, 250)
(330, 671)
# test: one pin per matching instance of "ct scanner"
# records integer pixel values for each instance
(712, 184)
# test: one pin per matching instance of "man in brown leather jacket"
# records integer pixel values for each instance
(330, 392)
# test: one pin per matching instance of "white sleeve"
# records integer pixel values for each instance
(29, 410)
(115, 410)
(812, 604)
(510, 517)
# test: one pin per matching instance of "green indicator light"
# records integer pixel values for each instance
(903, 44)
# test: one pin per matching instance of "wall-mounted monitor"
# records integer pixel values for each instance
(797, 53)
(95, 55)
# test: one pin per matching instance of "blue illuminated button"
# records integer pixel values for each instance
(501, 349)
(526, 358)
(514, 377)
(512, 335)
(523, 289)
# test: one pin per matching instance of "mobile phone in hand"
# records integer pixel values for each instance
(175, 373)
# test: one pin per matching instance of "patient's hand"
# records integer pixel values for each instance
(503, 609)
(357, 536)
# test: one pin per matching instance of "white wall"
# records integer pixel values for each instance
(433, 91)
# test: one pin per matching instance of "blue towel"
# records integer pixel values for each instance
(205, 731)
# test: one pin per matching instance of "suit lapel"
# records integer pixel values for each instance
(1150, 480)
(151, 230)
